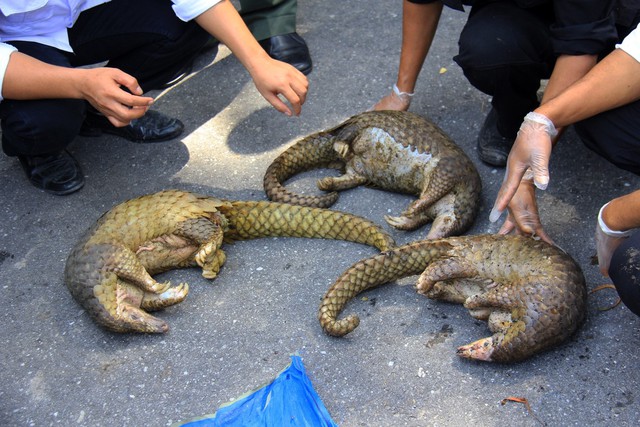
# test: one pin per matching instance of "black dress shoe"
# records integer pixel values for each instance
(152, 127)
(493, 148)
(289, 48)
(57, 173)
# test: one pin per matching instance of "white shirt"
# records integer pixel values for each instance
(47, 21)
(631, 44)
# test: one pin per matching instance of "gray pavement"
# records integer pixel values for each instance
(398, 368)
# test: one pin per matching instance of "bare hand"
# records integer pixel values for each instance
(393, 101)
(102, 88)
(274, 78)
(523, 218)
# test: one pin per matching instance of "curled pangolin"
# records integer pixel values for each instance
(109, 270)
(532, 294)
(392, 150)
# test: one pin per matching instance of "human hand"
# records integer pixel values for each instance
(396, 100)
(530, 152)
(523, 217)
(102, 88)
(607, 241)
(273, 78)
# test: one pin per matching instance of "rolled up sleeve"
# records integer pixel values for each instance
(631, 44)
(5, 52)
(583, 28)
(188, 10)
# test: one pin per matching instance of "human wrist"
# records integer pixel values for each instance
(544, 121)
(608, 226)
(404, 96)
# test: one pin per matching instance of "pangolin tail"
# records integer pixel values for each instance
(404, 261)
(252, 220)
(313, 152)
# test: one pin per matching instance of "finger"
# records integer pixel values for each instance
(277, 103)
(129, 101)
(508, 189)
(540, 169)
(301, 89)
(120, 114)
(507, 227)
(294, 100)
(128, 81)
(543, 235)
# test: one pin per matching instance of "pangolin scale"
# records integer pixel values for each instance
(391, 150)
(532, 294)
(109, 270)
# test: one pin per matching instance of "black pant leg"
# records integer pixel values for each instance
(45, 126)
(143, 38)
(624, 271)
(615, 135)
(505, 51)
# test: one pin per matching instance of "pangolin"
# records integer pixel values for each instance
(532, 294)
(392, 150)
(109, 270)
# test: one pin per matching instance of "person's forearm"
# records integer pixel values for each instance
(224, 23)
(613, 82)
(28, 78)
(623, 213)
(419, 24)
(568, 70)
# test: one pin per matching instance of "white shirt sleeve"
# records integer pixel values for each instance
(5, 52)
(631, 44)
(187, 10)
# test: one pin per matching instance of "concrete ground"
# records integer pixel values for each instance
(398, 368)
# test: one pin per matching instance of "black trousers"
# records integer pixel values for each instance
(624, 271)
(504, 51)
(143, 38)
(615, 135)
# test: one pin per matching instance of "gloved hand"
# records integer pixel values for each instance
(607, 241)
(396, 100)
(531, 150)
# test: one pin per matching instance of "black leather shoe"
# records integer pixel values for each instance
(289, 48)
(57, 173)
(152, 127)
(493, 148)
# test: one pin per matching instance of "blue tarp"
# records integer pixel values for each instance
(289, 400)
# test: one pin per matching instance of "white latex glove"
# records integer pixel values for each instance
(531, 150)
(607, 241)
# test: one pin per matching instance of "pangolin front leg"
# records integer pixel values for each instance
(342, 182)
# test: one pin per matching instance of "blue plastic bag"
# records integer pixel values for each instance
(289, 400)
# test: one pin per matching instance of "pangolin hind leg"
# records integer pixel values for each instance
(421, 211)
(128, 267)
(208, 233)
(409, 219)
